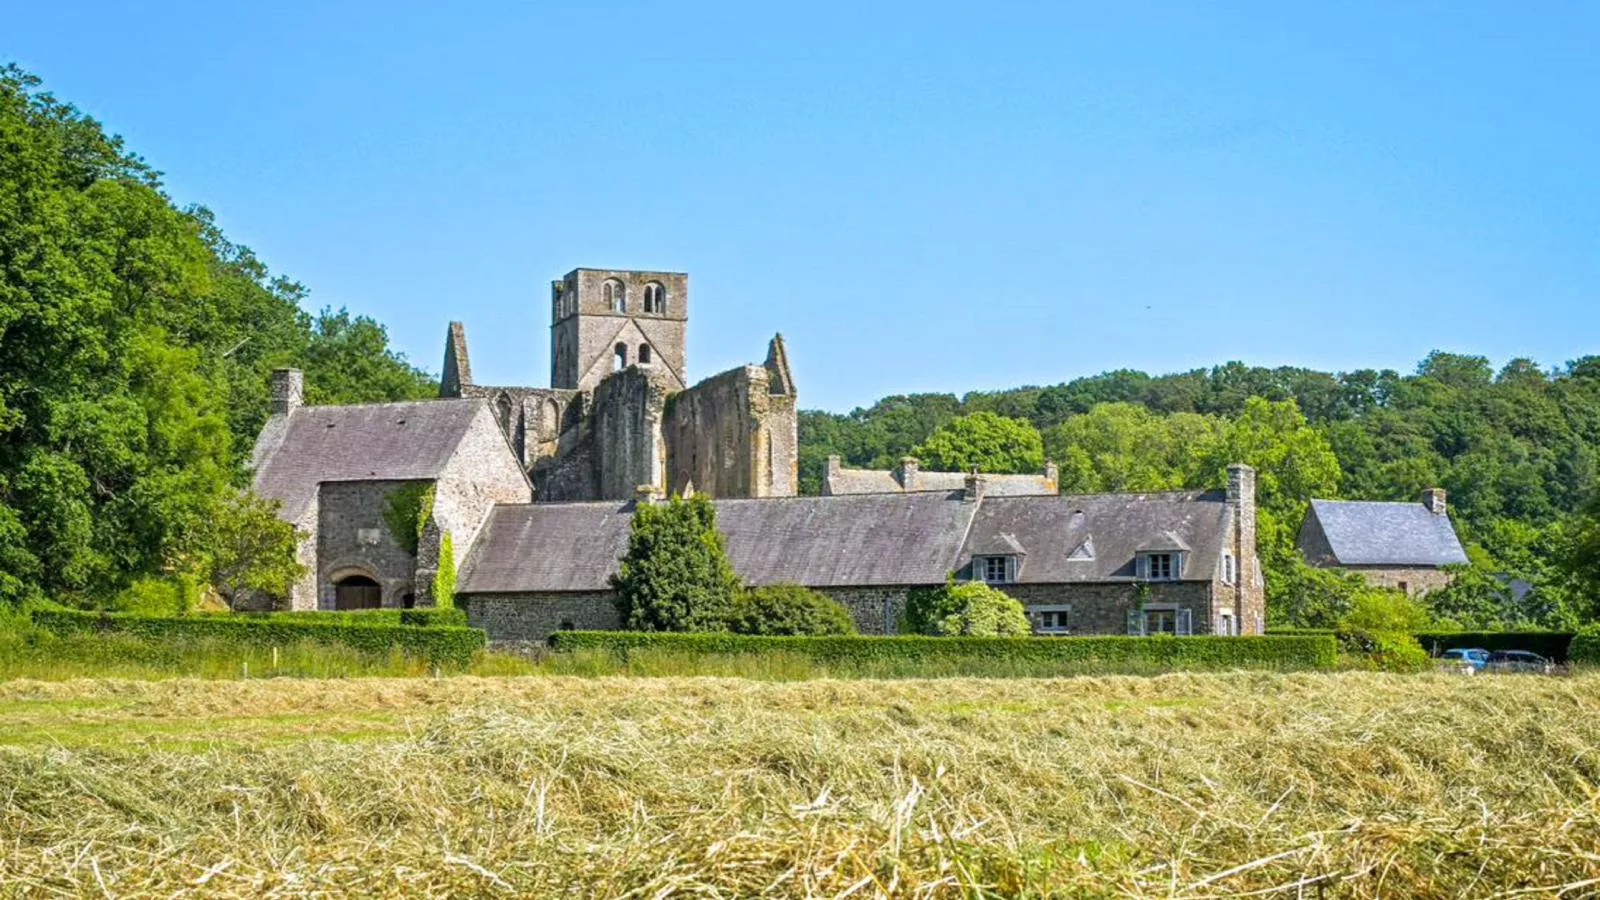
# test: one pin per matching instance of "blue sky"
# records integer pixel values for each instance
(920, 196)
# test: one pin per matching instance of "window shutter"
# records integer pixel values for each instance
(1185, 626)
(1135, 622)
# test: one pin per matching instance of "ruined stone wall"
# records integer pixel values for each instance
(353, 538)
(628, 449)
(536, 616)
(730, 436)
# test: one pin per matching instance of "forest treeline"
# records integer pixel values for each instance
(135, 346)
(1516, 448)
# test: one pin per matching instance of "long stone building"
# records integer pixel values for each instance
(528, 492)
(1405, 546)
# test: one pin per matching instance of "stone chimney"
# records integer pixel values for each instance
(1052, 474)
(1252, 606)
(910, 468)
(1434, 500)
(974, 489)
(288, 390)
(645, 494)
(830, 473)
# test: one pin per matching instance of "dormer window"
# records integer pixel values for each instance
(995, 569)
(1162, 566)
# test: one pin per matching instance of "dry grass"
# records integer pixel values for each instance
(1331, 785)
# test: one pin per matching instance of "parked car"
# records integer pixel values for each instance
(1519, 661)
(1474, 658)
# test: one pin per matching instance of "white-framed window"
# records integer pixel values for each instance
(1160, 618)
(655, 298)
(995, 569)
(1053, 619)
(1227, 625)
(1159, 566)
(1230, 569)
(616, 294)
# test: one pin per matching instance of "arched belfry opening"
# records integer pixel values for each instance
(357, 592)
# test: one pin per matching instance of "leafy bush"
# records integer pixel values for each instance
(676, 575)
(440, 644)
(1198, 652)
(1388, 651)
(1382, 610)
(1585, 646)
(789, 609)
(968, 609)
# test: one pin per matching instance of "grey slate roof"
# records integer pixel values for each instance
(374, 441)
(1364, 533)
(1120, 527)
(856, 540)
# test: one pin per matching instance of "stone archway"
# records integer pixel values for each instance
(357, 591)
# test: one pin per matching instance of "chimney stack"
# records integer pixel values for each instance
(288, 390)
(910, 467)
(1052, 474)
(1434, 500)
(975, 485)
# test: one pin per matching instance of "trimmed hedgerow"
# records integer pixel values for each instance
(426, 616)
(1552, 645)
(440, 644)
(1585, 646)
(1197, 652)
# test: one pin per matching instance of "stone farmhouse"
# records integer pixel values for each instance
(530, 493)
(1393, 545)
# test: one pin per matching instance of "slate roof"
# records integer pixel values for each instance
(1364, 533)
(369, 442)
(1120, 526)
(856, 540)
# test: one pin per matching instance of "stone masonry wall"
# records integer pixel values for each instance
(628, 410)
(1103, 608)
(535, 616)
(729, 436)
(876, 610)
(353, 539)
(1417, 580)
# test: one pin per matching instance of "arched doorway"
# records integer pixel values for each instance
(357, 592)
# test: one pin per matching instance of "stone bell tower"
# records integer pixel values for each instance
(604, 320)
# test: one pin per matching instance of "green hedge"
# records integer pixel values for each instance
(1552, 645)
(440, 644)
(1585, 647)
(422, 616)
(1198, 652)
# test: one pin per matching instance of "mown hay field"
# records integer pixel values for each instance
(1327, 784)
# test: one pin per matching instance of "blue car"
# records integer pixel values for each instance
(1475, 657)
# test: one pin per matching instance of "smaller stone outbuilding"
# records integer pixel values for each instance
(1405, 546)
(335, 469)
